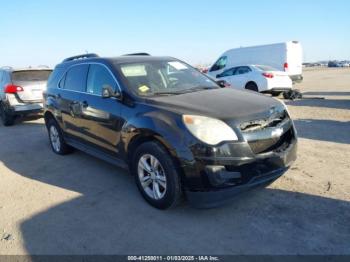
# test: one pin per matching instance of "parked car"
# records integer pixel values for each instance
(345, 64)
(257, 78)
(21, 92)
(173, 127)
(287, 57)
(333, 64)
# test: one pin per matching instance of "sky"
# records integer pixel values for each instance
(41, 32)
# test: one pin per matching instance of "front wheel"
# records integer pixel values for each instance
(156, 176)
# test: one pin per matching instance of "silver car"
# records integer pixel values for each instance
(21, 92)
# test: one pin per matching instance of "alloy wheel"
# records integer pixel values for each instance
(152, 177)
(55, 138)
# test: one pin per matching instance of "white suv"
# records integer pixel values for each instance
(21, 92)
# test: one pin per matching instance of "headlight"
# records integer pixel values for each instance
(209, 130)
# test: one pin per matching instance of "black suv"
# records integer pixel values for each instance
(176, 130)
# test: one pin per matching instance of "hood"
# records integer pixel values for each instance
(223, 103)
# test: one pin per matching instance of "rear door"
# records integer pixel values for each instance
(33, 83)
(294, 58)
(241, 76)
(71, 88)
(100, 117)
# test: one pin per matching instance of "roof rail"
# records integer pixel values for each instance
(141, 54)
(79, 57)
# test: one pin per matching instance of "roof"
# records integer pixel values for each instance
(130, 58)
(136, 58)
(14, 69)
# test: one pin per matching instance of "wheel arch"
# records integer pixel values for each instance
(145, 137)
(251, 82)
(140, 139)
(47, 116)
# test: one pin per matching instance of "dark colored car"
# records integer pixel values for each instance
(176, 130)
(21, 92)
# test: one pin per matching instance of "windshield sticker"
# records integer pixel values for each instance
(143, 89)
(134, 70)
(177, 65)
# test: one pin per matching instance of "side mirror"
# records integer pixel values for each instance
(223, 83)
(108, 92)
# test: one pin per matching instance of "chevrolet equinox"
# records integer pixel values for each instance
(176, 130)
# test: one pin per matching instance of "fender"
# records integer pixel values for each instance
(51, 106)
(166, 127)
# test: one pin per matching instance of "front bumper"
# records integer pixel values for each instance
(223, 177)
(258, 172)
(211, 199)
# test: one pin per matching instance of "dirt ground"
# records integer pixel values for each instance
(80, 205)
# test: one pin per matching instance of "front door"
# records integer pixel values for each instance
(100, 117)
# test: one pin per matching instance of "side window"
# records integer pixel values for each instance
(220, 64)
(98, 78)
(228, 72)
(75, 78)
(242, 70)
(62, 82)
(55, 78)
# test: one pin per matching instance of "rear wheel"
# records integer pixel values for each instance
(156, 176)
(252, 86)
(56, 138)
(275, 93)
(6, 118)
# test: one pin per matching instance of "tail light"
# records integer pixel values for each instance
(268, 75)
(13, 89)
(285, 66)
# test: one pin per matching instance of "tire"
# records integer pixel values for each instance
(6, 118)
(57, 142)
(252, 86)
(160, 186)
(276, 93)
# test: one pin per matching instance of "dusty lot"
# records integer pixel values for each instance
(80, 205)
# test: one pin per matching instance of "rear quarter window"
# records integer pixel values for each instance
(55, 77)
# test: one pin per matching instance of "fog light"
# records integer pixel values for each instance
(218, 175)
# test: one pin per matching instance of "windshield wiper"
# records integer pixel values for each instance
(190, 90)
(195, 89)
(165, 93)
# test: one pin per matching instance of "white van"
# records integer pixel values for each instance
(286, 57)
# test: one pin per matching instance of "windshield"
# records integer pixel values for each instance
(31, 75)
(164, 78)
(266, 68)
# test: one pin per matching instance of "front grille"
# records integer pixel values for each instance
(272, 144)
(256, 125)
